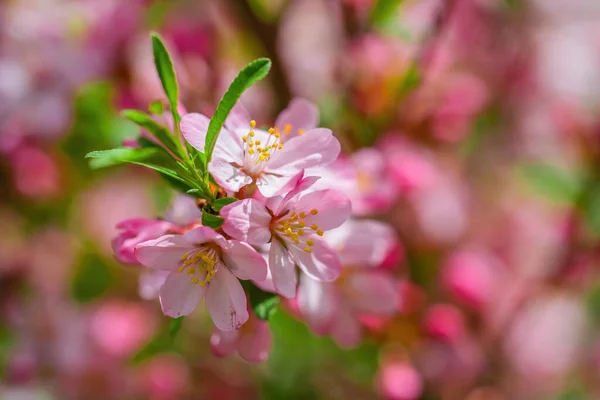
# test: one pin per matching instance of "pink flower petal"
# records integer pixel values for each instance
(300, 114)
(346, 329)
(318, 303)
(317, 147)
(226, 301)
(229, 146)
(228, 176)
(333, 208)
(247, 220)
(163, 253)
(322, 263)
(254, 342)
(363, 242)
(244, 262)
(204, 234)
(194, 127)
(271, 185)
(179, 295)
(283, 271)
(150, 283)
(239, 117)
(223, 343)
(372, 292)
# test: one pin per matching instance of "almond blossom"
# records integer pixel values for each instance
(335, 308)
(295, 224)
(270, 159)
(252, 341)
(203, 264)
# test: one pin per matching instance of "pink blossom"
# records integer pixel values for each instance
(245, 155)
(252, 341)
(294, 224)
(36, 173)
(203, 262)
(445, 321)
(133, 232)
(399, 380)
(336, 308)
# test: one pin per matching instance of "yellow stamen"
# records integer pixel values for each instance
(300, 132)
(252, 124)
(320, 232)
(314, 227)
(308, 249)
(196, 281)
(310, 242)
(245, 138)
(251, 133)
(303, 215)
(314, 211)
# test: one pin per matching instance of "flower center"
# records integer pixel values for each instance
(292, 228)
(259, 148)
(200, 264)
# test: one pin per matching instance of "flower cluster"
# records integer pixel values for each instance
(272, 204)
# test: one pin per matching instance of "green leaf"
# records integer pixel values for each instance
(222, 202)
(210, 220)
(156, 107)
(264, 304)
(252, 73)
(152, 348)
(108, 158)
(592, 210)
(166, 72)
(92, 278)
(175, 327)
(383, 11)
(552, 182)
(161, 133)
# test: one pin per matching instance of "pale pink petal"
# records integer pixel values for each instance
(223, 343)
(271, 185)
(372, 292)
(179, 295)
(194, 127)
(183, 211)
(317, 147)
(150, 283)
(244, 261)
(227, 175)
(226, 301)
(318, 303)
(163, 253)
(363, 242)
(322, 263)
(333, 208)
(254, 342)
(239, 117)
(247, 220)
(300, 114)
(346, 329)
(204, 234)
(283, 271)
(266, 285)
(229, 146)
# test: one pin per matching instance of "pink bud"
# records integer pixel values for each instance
(471, 278)
(133, 232)
(400, 381)
(445, 322)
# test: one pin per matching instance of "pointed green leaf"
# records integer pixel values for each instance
(210, 220)
(165, 69)
(252, 73)
(108, 158)
(161, 133)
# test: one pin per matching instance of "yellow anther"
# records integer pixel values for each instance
(292, 214)
(314, 211)
(314, 227)
(257, 142)
(251, 143)
(287, 129)
(245, 138)
(301, 232)
(310, 242)
(280, 146)
(277, 134)
(259, 148)
(185, 257)
(252, 124)
(320, 232)
(302, 224)
(271, 131)
(195, 280)
(191, 270)
(251, 134)
(180, 269)
(202, 283)
(302, 214)
(251, 151)
(300, 132)
(262, 158)
(308, 249)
